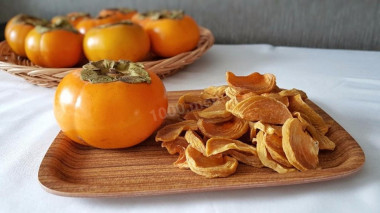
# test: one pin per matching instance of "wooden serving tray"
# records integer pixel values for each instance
(70, 169)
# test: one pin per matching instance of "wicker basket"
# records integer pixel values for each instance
(50, 77)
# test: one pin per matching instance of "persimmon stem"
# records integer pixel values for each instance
(61, 23)
(30, 20)
(162, 14)
(105, 71)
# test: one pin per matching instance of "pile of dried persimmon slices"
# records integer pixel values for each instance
(251, 121)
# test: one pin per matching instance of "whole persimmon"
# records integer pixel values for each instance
(54, 45)
(110, 104)
(73, 18)
(171, 31)
(124, 40)
(121, 13)
(88, 23)
(18, 28)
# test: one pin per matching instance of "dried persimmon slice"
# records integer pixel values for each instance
(283, 99)
(191, 115)
(231, 92)
(214, 92)
(192, 101)
(300, 148)
(266, 158)
(232, 129)
(181, 161)
(273, 143)
(172, 131)
(324, 142)
(254, 82)
(216, 110)
(219, 145)
(179, 146)
(293, 92)
(231, 104)
(212, 166)
(267, 128)
(195, 141)
(246, 158)
(260, 108)
(175, 146)
(296, 104)
(252, 131)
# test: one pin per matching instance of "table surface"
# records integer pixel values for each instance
(344, 83)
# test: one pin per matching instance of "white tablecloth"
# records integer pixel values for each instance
(346, 84)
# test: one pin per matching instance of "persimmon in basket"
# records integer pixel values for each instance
(124, 40)
(54, 45)
(121, 13)
(73, 18)
(171, 31)
(18, 28)
(88, 23)
(110, 104)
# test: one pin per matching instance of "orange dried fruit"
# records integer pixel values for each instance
(293, 92)
(300, 148)
(219, 145)
(172, 131)
(214, 92)
(265, 157)
(191, 115)
(192, 101)
(267, 128)
(231, 92)
(232, 129)
(231, 104)
(244, 96)
(179, 146)
(212, 166)
(246, 158)
(216, 110)
(296, 104)
(283, 99)
(181, 161)
(273, 143)
(195, 141)
(260, 108)
(324, 142)
(252, 131)
(254, 82)
(218, 120)
(175, 146)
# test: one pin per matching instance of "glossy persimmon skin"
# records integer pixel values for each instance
(142, 22)
(121, 41)
(55, 48)
(170, 37)
(73, 18)
(15, 34)
(117, 13)
(86, 24)
(109, 115)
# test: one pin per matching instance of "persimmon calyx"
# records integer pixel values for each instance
(105, 71)
(124, 10)
(61, 23)
(124, 22)
(74, 16)
(162, 14)
(30, 20)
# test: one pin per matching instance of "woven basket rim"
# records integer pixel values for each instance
(50, 77)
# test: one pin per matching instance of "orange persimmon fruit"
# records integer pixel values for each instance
(171, 31)
(110, 104)
(18, 28)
